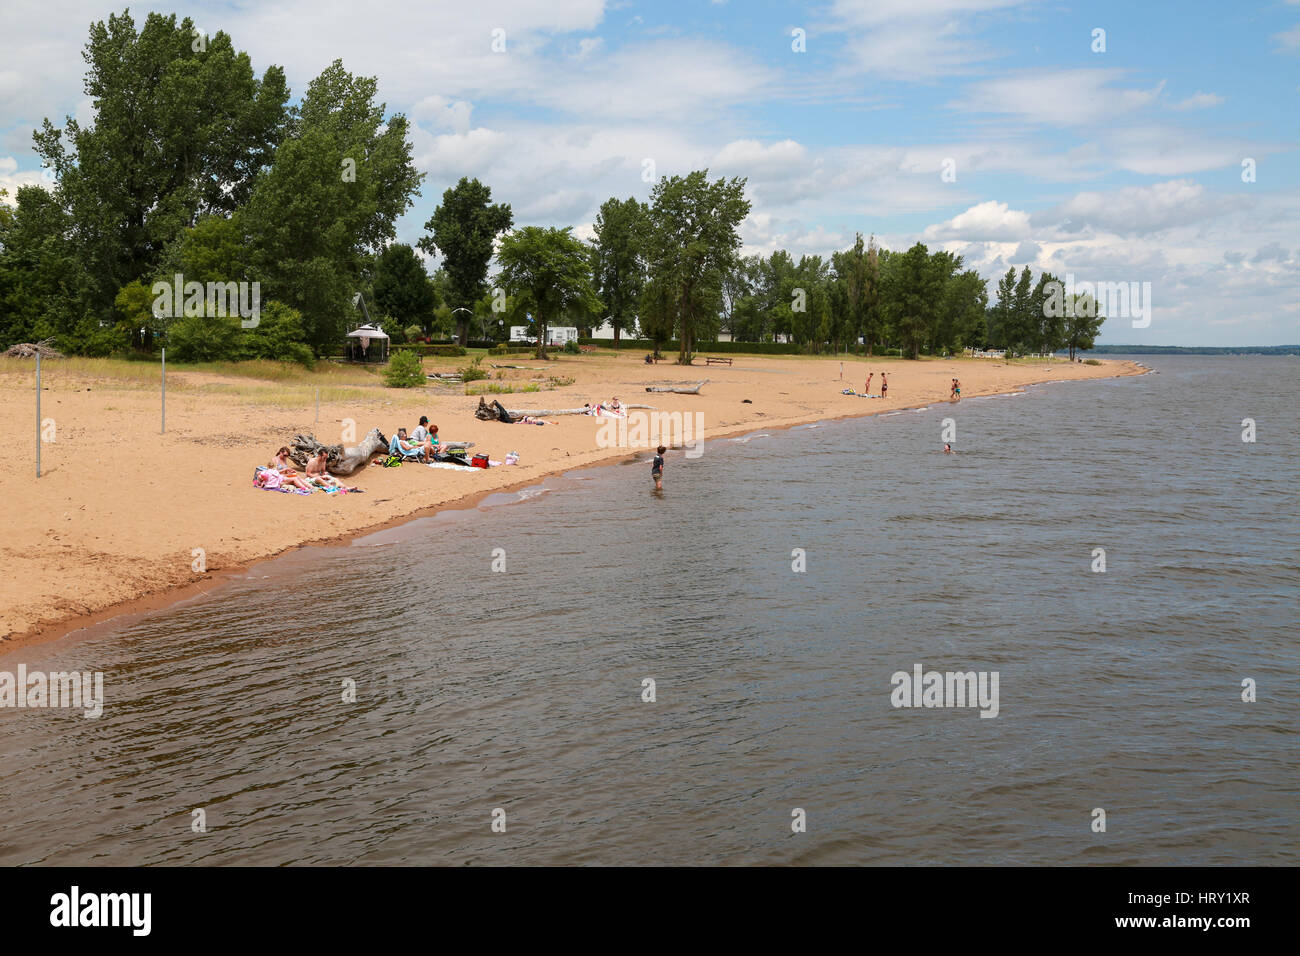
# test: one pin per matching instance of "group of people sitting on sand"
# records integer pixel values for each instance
(420, 444)
(315, 476)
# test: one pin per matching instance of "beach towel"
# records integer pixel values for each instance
(395, 448)
(450, 466)
(270, 480)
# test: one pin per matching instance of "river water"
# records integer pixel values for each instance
(522, 691)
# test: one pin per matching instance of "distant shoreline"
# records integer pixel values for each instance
(1194, 350)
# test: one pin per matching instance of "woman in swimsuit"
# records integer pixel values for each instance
(280, 463)
(316, 472)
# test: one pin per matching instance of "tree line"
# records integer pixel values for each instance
(194, 168)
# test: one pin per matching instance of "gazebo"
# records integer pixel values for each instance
(360, 342)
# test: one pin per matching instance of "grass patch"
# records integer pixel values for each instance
(493, 388)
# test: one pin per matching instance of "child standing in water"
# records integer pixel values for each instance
(657, 468)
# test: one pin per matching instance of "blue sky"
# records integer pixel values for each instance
(1122, 165)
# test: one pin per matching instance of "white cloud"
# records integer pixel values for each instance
(1078, 97)
(1289, 39)
(443, 113)
(750, 157)
(920, 40)
(1137, 210)
(11, 179)
(1199, 101)
(988, 220)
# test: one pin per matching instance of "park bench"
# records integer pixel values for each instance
(716, 360)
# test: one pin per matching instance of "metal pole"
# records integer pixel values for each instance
(164, 391)
(38, 414)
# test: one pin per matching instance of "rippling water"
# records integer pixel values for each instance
(522, 690)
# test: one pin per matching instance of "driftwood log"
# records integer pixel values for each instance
(495, 411)
(44, 348)
(679, 389)
(340, 459)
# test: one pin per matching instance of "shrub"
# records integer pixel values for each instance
(199, 338)
(278, 335)
(571, 348)
(91, 338)
(472, 372)
(501, 349)
(1091, 362)
(405, 370)
(435, 349)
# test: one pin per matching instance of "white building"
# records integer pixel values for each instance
(606, 331)
(555, 335)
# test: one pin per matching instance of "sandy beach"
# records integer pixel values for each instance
(114, 522)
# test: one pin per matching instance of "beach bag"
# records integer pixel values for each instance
(393, 461)
(479, 461)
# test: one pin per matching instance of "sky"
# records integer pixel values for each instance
(1151, 142)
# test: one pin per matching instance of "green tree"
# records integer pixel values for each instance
(1081, 321)
(1048, 328)
(857, 272)
(777, 283)
(745, 320)
(810, 307)
(203, 338)
(41, 276)
(405, 370)
(619, 264)
(999, 316)
(181, 127)
(279, 335)
(402, 288)
(911, 292)
(340, 180)
(547, 273)
(1022, 324)
(658, 315)
(693, 240)
(463, 229)
(965, 304)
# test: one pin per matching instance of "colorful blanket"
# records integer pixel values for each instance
(270, 480)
